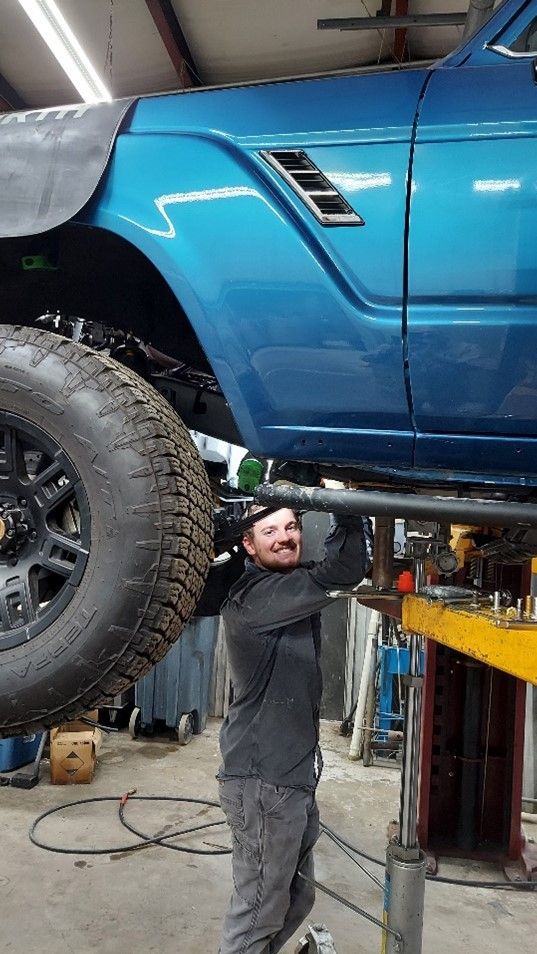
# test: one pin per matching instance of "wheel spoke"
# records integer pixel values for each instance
(4, 615)
(17, 604)
(60, 554)
(53, 485)
(11, 454)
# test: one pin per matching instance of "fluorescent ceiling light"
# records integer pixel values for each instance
(62, 42)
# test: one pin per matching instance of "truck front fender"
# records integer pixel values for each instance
(51, 162)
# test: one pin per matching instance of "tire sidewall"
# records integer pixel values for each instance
(89, 414)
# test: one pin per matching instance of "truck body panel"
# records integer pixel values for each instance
(402, 342)
(302, 324)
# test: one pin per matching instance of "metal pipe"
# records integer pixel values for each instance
(371, 705)
(404, 890)
(353, 907)
(408, 808)
(419, 574)
(479, 12)
(404, 896)
(375, 503)
(357, 740)
(391, 23)
(382, 574)
(341, 845)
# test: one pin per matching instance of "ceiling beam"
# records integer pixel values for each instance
(9, 98)
(388, 23)
(400, 45)
(174, 40)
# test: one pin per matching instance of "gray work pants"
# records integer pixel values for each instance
(274, 829)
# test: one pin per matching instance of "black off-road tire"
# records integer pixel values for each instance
(149, 524)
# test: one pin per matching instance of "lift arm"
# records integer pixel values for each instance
(493, 638)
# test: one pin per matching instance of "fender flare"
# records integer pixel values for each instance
(51, 162)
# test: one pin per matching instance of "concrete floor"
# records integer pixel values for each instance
(159, 900)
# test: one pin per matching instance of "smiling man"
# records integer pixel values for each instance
(270, 738)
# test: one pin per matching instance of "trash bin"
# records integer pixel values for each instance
(176, 691)
(19, 750)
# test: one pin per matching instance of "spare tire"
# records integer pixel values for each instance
(105, 528)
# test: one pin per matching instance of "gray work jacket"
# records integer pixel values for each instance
(272, 628)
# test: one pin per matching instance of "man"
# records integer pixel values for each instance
(269, 741)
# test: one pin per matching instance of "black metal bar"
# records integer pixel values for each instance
(392, 23)
(375, 503)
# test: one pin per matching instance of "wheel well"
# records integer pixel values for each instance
(98, 276)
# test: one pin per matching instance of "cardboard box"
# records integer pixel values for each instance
(73, 752)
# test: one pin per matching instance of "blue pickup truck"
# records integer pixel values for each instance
(340, 271)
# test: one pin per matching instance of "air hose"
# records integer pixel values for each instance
(145, 841)
(438, 879)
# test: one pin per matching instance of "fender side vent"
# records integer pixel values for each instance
(315, 190)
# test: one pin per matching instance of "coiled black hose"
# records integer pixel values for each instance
(145, 840)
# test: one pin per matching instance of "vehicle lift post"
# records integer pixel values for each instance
(404, 884)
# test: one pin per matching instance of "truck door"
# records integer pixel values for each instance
(472, 286)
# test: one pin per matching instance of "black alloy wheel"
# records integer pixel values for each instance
(45, 530)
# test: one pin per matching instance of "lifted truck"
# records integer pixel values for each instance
(338, 271)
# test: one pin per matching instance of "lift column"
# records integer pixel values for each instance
(404, 885)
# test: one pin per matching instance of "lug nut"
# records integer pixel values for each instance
(23, 502)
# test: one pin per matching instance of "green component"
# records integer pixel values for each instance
(37, 263)
(250, 474)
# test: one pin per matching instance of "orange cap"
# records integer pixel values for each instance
(405, 582)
